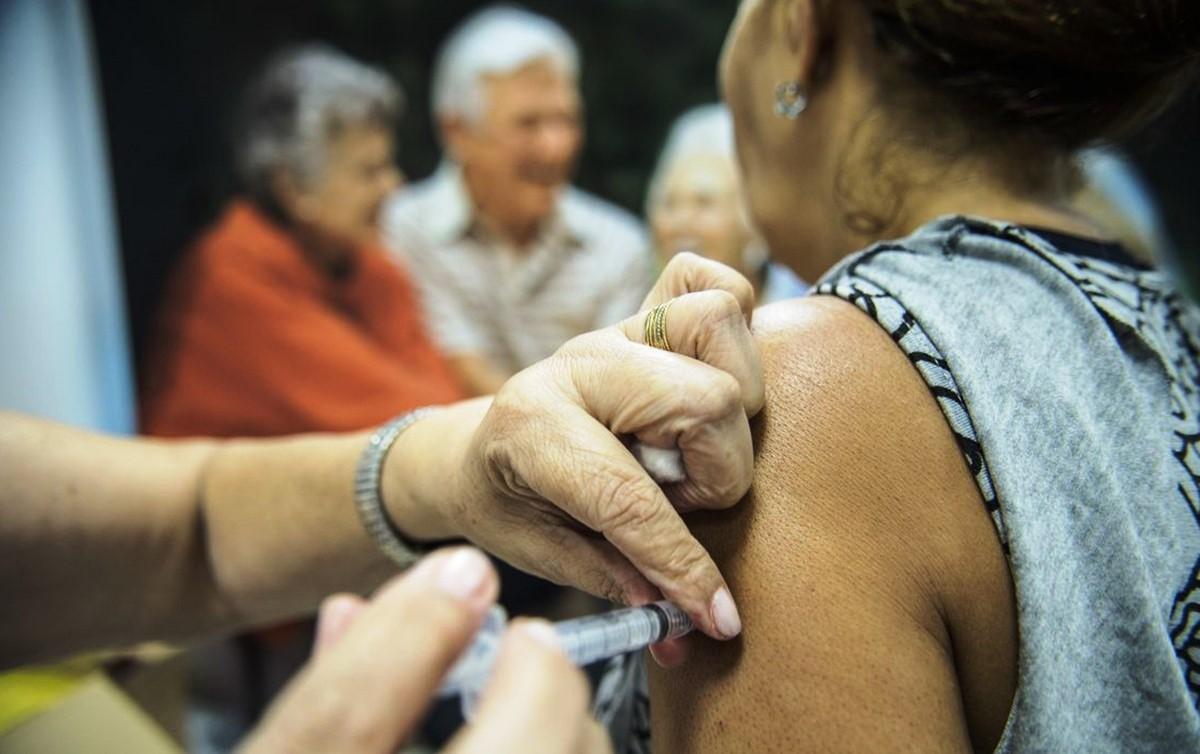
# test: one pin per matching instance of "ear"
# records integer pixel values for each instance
(292, 199)
(805, 24)
(456, 136)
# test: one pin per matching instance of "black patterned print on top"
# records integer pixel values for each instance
(622, 704)
(908, 334)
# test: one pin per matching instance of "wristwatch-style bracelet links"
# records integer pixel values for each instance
(368, 492)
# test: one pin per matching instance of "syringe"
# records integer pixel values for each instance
(583, 640)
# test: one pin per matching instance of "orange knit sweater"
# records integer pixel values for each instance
(254, 340)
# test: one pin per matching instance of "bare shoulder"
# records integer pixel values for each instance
(874, 593)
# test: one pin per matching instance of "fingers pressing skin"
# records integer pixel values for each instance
(368, 688)
(710, 326)
(719, 462)
(593, 478)
(545, 459)
(535, 703)
(688, 273)
(662, 395)
(680, 404)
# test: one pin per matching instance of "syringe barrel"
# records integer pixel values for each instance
(597, 637)
(584, 641)
(475, 665)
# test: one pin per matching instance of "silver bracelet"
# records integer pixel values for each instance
(368, 490)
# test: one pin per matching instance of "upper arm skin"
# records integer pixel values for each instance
(877, 605)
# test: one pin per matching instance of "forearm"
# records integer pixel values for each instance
(428, 486)
(110, 542)
(283, 529)
(99, 536)
(279, 526)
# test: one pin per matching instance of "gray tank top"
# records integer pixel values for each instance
(1071, 384)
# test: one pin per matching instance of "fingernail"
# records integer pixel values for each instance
(725, 614)
(335, 612)
(461, 573)
(327, 616)
(541, 632)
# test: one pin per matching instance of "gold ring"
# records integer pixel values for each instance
(656, 327)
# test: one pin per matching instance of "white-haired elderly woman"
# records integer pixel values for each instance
(695, 204)
(285, 317)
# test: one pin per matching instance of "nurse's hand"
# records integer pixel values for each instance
(378, 664)
(542, 476)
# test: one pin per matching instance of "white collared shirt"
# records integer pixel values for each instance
(588, 268)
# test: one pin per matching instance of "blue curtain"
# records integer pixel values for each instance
(64, 350)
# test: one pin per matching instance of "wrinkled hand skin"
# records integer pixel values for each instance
(561, 494)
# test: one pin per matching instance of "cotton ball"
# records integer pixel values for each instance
(665, 466)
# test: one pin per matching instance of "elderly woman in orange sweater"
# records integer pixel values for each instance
(284, 317)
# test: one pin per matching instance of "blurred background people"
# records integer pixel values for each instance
(1116, 197)
(511, 260)
(286, 317)
(695, 203)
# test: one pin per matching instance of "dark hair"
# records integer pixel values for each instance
(1070, 72)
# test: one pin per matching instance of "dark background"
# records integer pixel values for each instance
(171, 73)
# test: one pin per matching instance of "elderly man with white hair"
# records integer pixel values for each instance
(511, 260)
